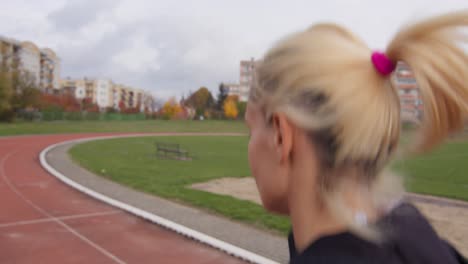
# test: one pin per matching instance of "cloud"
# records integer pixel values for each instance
(171, 47)
(77, 13)
(140, 56)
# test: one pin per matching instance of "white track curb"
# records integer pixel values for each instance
(180, 229)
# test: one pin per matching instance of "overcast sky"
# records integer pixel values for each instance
(172, 47)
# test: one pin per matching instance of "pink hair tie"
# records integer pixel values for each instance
(382, 63)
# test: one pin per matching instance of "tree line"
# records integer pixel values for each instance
(202, 105)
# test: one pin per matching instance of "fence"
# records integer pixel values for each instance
(79, 116)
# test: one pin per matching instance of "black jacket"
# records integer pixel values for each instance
(410, 239)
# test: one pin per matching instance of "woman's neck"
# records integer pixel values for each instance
(311, 218)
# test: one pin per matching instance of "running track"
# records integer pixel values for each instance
(44, 221)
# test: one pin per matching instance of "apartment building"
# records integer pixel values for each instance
(30, 60)
(232, 89)
(75, 88)
(49, 69)
(246, 78)
(410, 98)
(104, 93)
(41, 65)
(7, 51)
(118, 95)
(123, 94)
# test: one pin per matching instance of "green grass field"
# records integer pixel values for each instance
(132, 162)
(443, 172)
(55, 127)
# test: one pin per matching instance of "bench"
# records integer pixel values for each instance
(171, 151)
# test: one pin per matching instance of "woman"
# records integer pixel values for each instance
(324, 120)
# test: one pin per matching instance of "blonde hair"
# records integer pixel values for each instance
(324, 81)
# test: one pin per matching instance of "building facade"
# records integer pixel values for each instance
(246, 78)
(41, 66)
(105, 93)
(50, 69)
(75, 88)
(8, 49)
(232, 89)
(410, 98)
(30, 61)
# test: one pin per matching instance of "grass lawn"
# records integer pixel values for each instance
(443, 172)
(131, 162)
(53, 127)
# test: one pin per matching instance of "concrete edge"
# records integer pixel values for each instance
(166, 223)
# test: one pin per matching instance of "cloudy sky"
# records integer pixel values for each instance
(173, 47)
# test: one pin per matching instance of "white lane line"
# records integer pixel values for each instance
(180, 229)
(68, 217)
(55, 219)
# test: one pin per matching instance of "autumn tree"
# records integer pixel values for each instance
(201, 100)
(18, 89)
(171, 109)
(6, 90)
(122, 106)
(5, 98)
(230, 108)
(59, 103)
(233, 97)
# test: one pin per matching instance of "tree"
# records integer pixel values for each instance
(171, 109)
(18, 89)
(88, 105)
(122, 106)
(230, 108)
(6, 86)
(5, 92)
(200, 100)
(241, 106)
(222, 94)
(27, 98)
(5, 98)
(233, 97)
(157, 104)
(60, 103)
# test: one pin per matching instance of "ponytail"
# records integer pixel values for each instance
(434, 51)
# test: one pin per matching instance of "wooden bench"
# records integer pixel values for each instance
(171, 151)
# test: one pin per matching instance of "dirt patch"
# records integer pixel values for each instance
(450, 221)
(240, 188)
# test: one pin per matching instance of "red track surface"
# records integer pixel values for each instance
(44, 221)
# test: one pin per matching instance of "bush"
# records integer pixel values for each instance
(52, 115)
(73, 116)
(28, 115)
(92, 116)
(7, 116)
(111, 110)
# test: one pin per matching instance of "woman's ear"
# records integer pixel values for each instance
(283, 136)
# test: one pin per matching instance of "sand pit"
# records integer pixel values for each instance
(450, 219)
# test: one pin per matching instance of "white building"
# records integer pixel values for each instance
(30, 60)
(50, 69)
(80, 91)
(42, 66)
(246, 78)
(241, 91)
(7, 50)
(103, 93)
